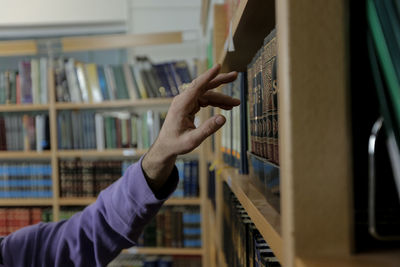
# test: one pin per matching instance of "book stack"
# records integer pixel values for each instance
(263, 101)
(86, 178)
(243, 245)
(27, 85)
(91, 83)
(108, 130)
(12, 219)
(188, 185)
(28, 132)
(135, 260)
(173, 227)
(25, 180)
(234, 142)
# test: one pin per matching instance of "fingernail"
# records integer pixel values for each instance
(220, 120)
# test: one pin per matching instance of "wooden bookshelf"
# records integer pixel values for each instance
(90, 43)
(84, 201)
(24, 107)
(117, 104)
(264, 216)
(26, 202)
(22, 155)
(128, 152)
(315, 227)
(16, 48)
(253, 20)
(164, 251)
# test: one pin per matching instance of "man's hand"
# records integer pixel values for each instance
(179, 135)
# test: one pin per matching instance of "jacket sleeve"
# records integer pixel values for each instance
(96, 235)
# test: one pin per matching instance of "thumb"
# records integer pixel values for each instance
(207, 128)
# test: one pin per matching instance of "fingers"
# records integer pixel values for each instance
(206, 129)
(216, 99)
(221, 79)
(199, 84)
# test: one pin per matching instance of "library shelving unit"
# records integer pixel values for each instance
(315, 226)
(32, 48)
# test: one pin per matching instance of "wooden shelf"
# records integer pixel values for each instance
(151, 102)
(85, 201)
(127, 152)
(263, 215)
(91, 43)
(164, 251)
(26, 202)
(24, 107)
(16, 48)
(116, 41)
(22, 155)
(253, 21)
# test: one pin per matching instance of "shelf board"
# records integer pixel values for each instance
(26, 202)
(24, 107)
(18, 48)
(263, 215)
(126, 152)
(253, 21)
(164, 251)
(85, 201)
(117, 41)
(22, 155)
(116, 104)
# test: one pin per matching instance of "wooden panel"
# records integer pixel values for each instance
(128, 152)
(314, 129)
(103, 42)
(18, 48)
(263, 215)
(386, 258)
(26, 107)
(219, 31)
(251, 23)
(117, 104)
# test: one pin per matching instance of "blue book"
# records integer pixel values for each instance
(194, 178)
(165, 261)
(187, 178)
(103, 82)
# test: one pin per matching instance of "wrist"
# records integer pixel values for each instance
(157, 166)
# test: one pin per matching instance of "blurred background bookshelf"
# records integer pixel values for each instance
(47, 56)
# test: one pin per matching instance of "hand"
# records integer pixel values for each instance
(179, 135)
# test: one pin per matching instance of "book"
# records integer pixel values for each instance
(93, 82)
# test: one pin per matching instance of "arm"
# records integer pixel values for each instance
(97, 235)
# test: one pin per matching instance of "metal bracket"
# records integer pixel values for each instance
(372, 178)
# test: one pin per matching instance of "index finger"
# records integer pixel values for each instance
(199, 85)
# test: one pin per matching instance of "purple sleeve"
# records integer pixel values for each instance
(96, 235)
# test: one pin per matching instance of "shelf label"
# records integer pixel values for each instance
(129, 152)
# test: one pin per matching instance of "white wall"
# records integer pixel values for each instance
(45, 12)
(164, 16)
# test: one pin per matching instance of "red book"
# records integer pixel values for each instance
(18, 88)
(36, 215)
(3, 222)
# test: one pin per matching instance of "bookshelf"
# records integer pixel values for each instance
(31, 47)
(315, 226)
